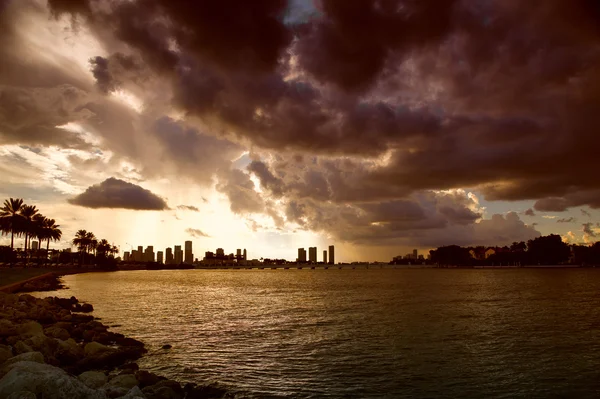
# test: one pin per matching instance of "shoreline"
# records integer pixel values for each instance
(55, 347)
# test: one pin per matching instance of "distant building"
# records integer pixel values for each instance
(312, 254)
(149, 254)
(126, 256)
(189, 256)
(324, 256)
(140, 250)
(301, 255)
(178, 255)
(245, 254)
(159, 256)
(135, 256)
(415, 254)
(34, 245)
(169, 256)
(238, 255)
(331, 255)
(220, 253)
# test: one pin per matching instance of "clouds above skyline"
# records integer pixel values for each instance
(368, 122)
(116, 193)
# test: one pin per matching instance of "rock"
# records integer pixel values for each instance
(131, 366)
(146, 378)
(114, 392)
(106, 359)
(93, 379)
(124, 381)
(57, 332)
(22, 347)
(102, 337)
(68, 352)
(173, 385)
(44, 381)
(41, 343)
(36, 357)
(96, 348)
(166, 393)
(7, 328)
(21, 395)
(86, 308)
(167, 346)
(30, 328)
(27, 298)
(5, 353)
(88, 335)
(134, 393)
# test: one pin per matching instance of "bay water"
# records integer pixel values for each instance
(364, 333)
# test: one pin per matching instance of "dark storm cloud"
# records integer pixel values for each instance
(529, 212)
(197, 233)
(116, 193)
(239, 189)
(188, 208)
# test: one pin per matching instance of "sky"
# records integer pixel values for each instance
(376, 126)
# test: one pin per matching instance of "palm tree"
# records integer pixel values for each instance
(54, 233)
(46, 229)
(80, 241)
(92, 242)
(10, 215)
(28, 212)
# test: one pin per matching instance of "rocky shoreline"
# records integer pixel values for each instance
(53, 348)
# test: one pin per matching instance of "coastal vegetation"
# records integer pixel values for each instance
(544, 250)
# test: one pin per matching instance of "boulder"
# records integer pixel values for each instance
(114, 392)
(167, 346)
(93, 379)
(124, 381)
(5, 353)
(102, 337)
(22, 347)
(36, 357)
(57, 332)
(21, 395)
(131, 366)
(30, 328)
(129, 342)
(7, 328)
(146, 378)
(44, 381)
(88, 335)
(134, 393)
(96, 349)
(166, 393)
(41, 343)
(86, 308)
(173, 385)
(68, 352)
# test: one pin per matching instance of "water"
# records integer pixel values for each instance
(362, 333)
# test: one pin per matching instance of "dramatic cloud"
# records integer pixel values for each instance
(188, 208)
(567, 220)
(529, 212)
(115, 193)
(196, 233)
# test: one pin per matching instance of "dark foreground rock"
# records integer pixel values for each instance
(48, 350)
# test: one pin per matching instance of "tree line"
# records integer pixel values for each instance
(18, 219)
(544, 250)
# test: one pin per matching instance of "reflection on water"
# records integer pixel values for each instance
(362, 333)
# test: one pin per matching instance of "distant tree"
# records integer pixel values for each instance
(548, 250)
(451, 255)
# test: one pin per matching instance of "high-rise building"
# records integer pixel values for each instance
(312, 254)
(189, 256)
(126, 256)
(34, 245)
(159, 256)
(169, 256)
(220, 253)
(140, 249)
(149, 254)
(415, 254)
(324, 256)
(245, 254)
(301, 255)
(135, 256)
(238, 254)
(331, 255)
(178, 254)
